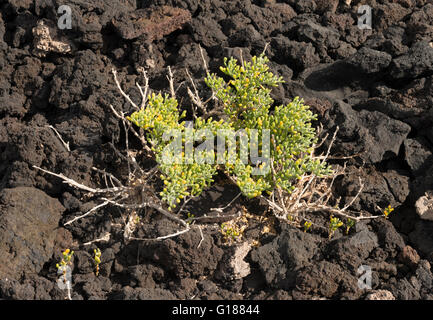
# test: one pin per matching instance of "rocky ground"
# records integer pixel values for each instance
(375, 85)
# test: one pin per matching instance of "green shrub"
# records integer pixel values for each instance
(181, 177)
(247, 103)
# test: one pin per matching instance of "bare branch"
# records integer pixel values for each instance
(112, 177)
(221, 210)
(95, 209)
(170, 81)
(65, 144)
(149, 205)
(172, 235)
(356, 196)
(104, 238)
(167, 214)
(330, 144)
(70, 181)
(144, 92)
(127, 158)
(121, 90)
(128, 123)
(195, 96)
(202, 237)
(265, 48)
(203, 60)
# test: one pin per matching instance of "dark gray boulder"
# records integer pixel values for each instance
(28, 222)
(418, 61)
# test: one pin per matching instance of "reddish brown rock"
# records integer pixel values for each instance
(318, 106)
(153, 25)
(409, 256)
(326, 5)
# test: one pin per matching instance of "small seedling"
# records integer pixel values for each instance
(66, 259)
(62, 266)
(387, 211)
(307, 225)
(231, 232)
(350, 224)
(97, 260)
(334, 224)
(190, 218)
